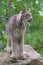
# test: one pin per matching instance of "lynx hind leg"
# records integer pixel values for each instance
(8, 47)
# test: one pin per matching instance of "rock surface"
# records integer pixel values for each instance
(34, 58)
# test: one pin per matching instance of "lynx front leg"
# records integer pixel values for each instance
(21, 46)
(22, 53)
(14, 48)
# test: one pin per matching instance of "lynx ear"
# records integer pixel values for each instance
(23, 11)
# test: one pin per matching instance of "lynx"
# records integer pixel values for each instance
(15, 30)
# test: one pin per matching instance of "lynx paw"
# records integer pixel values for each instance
(8, 50)
(13, 57)
(22, 56)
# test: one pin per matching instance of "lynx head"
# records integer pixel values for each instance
(26, 15)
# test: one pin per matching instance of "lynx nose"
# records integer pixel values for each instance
(29, 20)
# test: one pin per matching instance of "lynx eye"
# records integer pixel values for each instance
(27, 16)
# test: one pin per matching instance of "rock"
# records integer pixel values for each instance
(33, 58)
